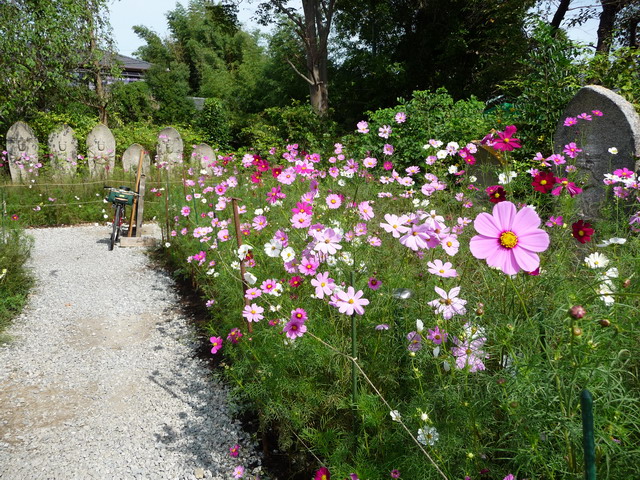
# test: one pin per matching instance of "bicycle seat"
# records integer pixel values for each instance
(127, 189)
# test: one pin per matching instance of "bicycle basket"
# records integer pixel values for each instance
(119, 196)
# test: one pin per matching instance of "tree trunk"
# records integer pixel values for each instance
(560, 13)
(317, 24)
(632, 31)
(610, 9)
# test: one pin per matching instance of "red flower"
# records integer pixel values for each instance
(295, 281)
(505, 141)
(322, 474)
(544, 182)
(582, 231)
(496, 194)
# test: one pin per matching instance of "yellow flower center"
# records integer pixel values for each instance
(508, 239)
(581, 232)
(543, 182)
(565, 182)
(351, 300)
(497, 195)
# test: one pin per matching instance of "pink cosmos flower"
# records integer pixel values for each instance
(401, 117)
(387, 166)
(554, 221)
(323, 284)
(308, 266)
(351, 302)
(388, 149)
(450, 244)
(469, 354)
(294, 329)
(333, 201)
(505, 141)
(260, 222)
(571, 150)
(252, 293)
(448, 304)
(374, 241)
(374, 283)
(234, 451)
(301, 220)
(253, 313)
(570, 121)
(238, 472)
(564, 184)
(216, 343)
(509, 240)
(185, 211)
(384, 131)
(440, 269)
(415, 341)
(365, 211)
(395, 225)
(419, 237)
(234, 335)
(328, 242)
(363, 127)
(437, 336)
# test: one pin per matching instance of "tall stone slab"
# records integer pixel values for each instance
(169, 147)
(101, 151)
(619, 127)
(22, 152)
(131, 157)
(203, 155)
(63, 148)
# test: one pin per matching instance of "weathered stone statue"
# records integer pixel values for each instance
(131, 157)
(22, 150)
(203, 155)
(169, 147)
(63, 147)
(101, 151)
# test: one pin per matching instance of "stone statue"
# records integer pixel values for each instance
(101, 150)
(131, 157)
(63, 147)
(169, 147)
(22, 150)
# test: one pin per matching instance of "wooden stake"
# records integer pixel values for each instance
(135, 199)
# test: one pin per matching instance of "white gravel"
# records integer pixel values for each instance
(100, 379)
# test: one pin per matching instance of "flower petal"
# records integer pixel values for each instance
(526, 259)
(482, 247)
(525, 220)
(534, 241)
(503, 215)
(485, 225)
(504, 259)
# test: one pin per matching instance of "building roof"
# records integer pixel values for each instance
(129, 63)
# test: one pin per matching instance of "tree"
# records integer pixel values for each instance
(43, 44)
(312, 27)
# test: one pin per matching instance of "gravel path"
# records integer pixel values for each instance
(101, 380)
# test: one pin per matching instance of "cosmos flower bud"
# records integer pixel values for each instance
(626, 283)
(605, 322)
(576, 331)
(577, 311)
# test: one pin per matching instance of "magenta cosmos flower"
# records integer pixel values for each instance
(509, 240)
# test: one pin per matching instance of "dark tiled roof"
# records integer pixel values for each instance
(129, 63)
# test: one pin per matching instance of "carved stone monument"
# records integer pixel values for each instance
(22, 150)
(169, 147)
(101, 151)
(63, 147)
(203, 155)
(131, 157)
(618, 126)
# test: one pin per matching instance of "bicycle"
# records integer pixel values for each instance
(120, 198)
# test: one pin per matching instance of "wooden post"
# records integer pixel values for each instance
(588, 442)
(140, 211)
(135, 199)
(243, 270)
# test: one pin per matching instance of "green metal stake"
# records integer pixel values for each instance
(586, 402)
(354, 354)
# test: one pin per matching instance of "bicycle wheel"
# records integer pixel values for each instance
(120, 220)
(115, 231)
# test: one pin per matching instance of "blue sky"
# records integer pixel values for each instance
(124, 14)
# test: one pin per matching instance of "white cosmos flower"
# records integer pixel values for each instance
(613, 151)
(273, 248)
(395, 415)
(428, 435)
(505, 178)
(419, 325)
(288, 254)
(612, 241)
(250, 278)
(596, 260)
